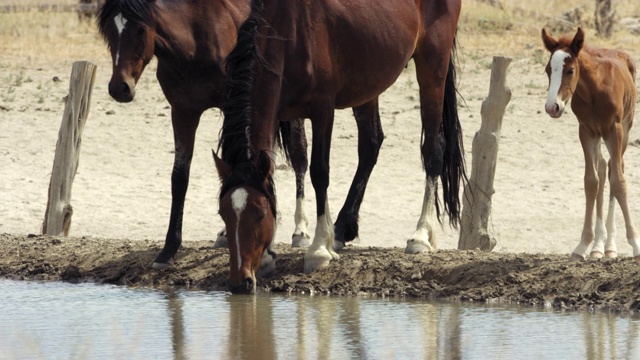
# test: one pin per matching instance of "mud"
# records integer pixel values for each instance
(539, 280)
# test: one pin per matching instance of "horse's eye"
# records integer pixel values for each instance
(570, 72)
(141, 31)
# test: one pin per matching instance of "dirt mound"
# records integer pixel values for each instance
(531, 279)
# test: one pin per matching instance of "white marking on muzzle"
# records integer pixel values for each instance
(120, 22)
(555, 80)
(239, 203)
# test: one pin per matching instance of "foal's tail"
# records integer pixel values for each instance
(453, 172)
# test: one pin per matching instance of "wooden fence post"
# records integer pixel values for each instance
(57, 217)
(478, 191)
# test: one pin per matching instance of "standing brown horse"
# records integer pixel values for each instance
(305, 59)
(601, 86)
(190, 39)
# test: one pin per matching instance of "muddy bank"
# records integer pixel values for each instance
(530, 279)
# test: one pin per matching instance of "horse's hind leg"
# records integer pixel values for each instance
(321, 251)
(615, 145)
(370, 137)
(297, 145)
(185, 123)
(432, 64)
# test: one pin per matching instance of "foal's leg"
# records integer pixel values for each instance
(590, 147)
(370, 137)
(601, 233)
(321, 251)
(615, 145)
(297, 144)
(185, 123)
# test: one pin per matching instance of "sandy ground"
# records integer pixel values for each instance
(122, 189)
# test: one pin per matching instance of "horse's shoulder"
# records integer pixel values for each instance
(612, 58)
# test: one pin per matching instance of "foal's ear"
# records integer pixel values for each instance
(577, 42)
(223, 168)
(549, 42)
(263, 164)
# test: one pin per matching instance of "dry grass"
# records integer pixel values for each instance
(36, 38)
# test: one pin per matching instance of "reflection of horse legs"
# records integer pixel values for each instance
(295, 140)
(370, 137)
(185, 123)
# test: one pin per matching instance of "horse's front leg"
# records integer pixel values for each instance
(321, 251)
(370, 137)
(590, 147)
(602, 234)
(185, 123)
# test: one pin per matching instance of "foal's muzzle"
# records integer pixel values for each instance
(554, 110)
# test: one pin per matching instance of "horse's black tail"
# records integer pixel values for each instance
(453, 171)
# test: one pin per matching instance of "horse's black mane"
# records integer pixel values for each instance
(140, 11)
(234, 141)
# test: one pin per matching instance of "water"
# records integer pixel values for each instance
(66, 321)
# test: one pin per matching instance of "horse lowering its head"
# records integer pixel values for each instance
(305, 59)
(248, 209)
(601, 86)
(127, 28)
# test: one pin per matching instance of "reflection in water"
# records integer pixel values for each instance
(54, 320)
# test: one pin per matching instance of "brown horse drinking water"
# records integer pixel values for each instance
(190, 39)
(305, 59)
(602, 89)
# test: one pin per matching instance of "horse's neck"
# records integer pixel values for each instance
(212, 19)
(588, 77)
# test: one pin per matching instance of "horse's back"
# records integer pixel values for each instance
(351, 51)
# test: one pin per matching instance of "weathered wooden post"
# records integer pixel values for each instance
(57, 217)
(605, 18)
(478, 191)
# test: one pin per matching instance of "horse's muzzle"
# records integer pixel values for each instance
(121, 91)
(247, 286)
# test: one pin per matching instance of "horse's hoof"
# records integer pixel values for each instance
(610, 254)
(321, 258)
(596, 255)
(160, 266)
(221, 241)
(417, 247)
(576, 257)
(637, 259)
(301, 240)
(338, 245)
(266, 269)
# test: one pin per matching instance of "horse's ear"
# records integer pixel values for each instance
(263, 164)
(549, 42)
(577, 42)
(223, 168)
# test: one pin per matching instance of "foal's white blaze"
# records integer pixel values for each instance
(239, 203)
(120, 22)
(555, 80)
